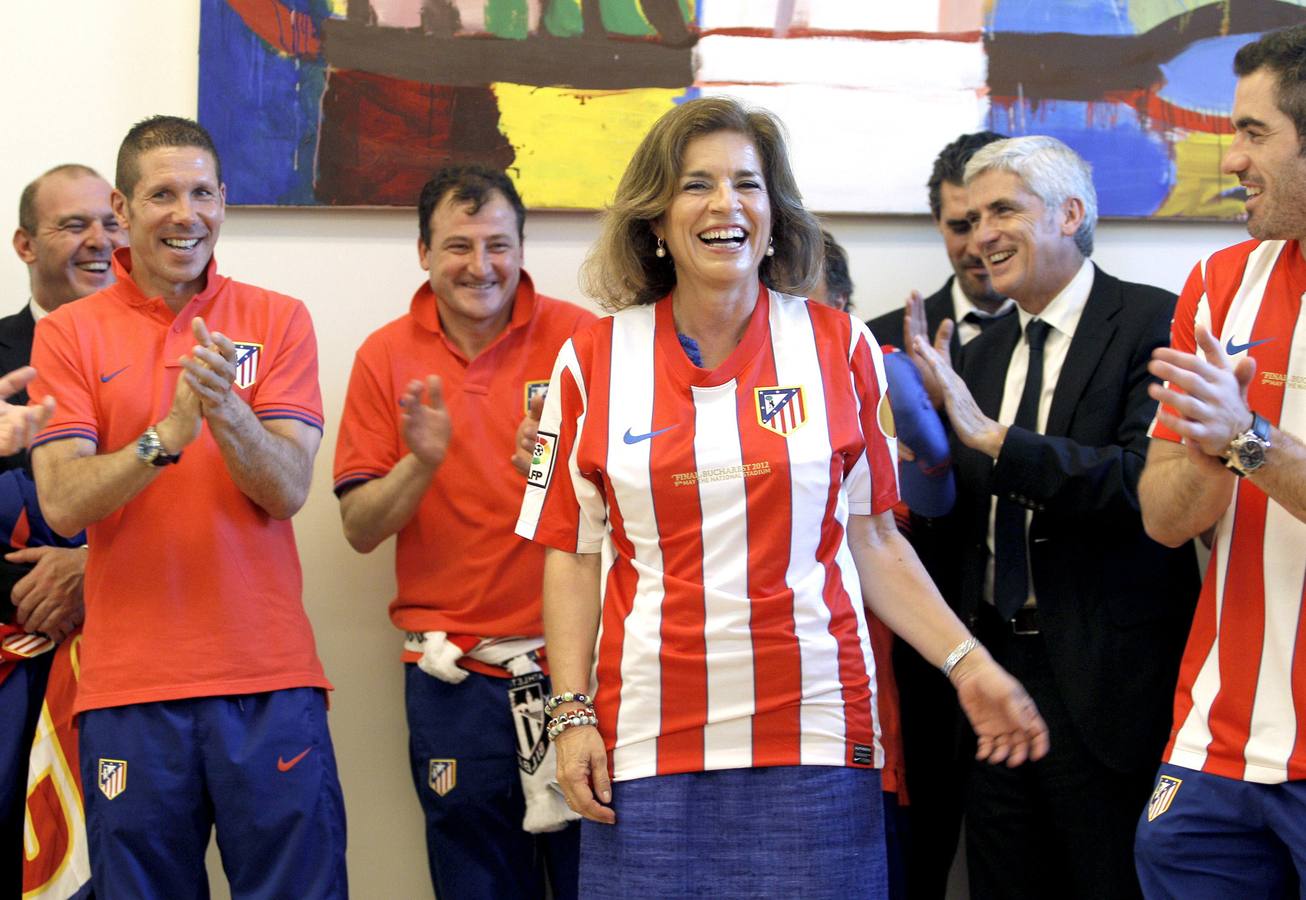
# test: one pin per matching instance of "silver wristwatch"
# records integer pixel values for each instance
(1246, 452)
(149, 450)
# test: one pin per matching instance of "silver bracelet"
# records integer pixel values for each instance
(957, 655)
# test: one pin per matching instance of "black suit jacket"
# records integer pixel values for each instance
(887, 328)
(1114, 606)
(16, 333)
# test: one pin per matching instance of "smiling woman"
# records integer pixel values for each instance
(746, 514)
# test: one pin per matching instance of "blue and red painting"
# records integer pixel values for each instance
(355, 102)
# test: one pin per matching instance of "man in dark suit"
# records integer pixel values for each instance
(967, 296)
(1050, 411)
(66, 232)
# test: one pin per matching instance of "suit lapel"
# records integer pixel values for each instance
(1092, 335)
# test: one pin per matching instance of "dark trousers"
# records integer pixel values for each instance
(463, 750)
(159, 777)
(1213, 838)
(21, 696)
(937, 746)
(1060, 827)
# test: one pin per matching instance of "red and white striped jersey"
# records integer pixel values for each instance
(1241, 700)
(732, 631)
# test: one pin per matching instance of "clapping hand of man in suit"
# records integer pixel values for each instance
(914, 327)
(19, 424)
(972, 427)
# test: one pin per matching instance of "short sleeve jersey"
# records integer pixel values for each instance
(1239, 709)
(460, 568)
(191, 589)
(732, 632)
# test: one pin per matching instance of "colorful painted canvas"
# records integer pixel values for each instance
(355, 102)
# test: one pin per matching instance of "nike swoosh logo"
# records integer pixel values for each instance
(105, 379)
(636, 438)
(1234, 349)
(287, 765)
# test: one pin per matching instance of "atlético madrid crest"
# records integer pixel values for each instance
(442, 775)
(1163, 796)
(781, 409)
(112, 777)
(534, 389)
(247, 356)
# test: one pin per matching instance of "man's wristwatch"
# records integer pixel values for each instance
(1246, 452)
(149, 450)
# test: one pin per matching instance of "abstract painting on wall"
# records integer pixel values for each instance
(356, 102)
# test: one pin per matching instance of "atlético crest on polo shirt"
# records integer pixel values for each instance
(534, 389)
(1166, 787)
(247, 357)
(442, 776)
(782, 410)
(111, 777)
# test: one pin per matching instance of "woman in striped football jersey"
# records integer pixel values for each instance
(714, 475)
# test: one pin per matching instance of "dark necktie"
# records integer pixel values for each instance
(983, 321)
(1010, 567)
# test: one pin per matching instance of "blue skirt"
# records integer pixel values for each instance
(789, 831)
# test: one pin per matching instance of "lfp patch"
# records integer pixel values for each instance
(111, 777)
(442, 777)
(247, 357)
(1163, 796)
(782, 410)
(542, 459)
(534, 389)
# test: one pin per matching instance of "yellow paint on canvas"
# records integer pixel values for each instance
(1145, 15)
(571, 145)
(1199, 183)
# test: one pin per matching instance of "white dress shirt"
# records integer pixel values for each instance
(961, 305)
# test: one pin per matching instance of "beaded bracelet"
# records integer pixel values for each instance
(568, 697)
(573, 719)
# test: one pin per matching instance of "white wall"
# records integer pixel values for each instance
(78, 73)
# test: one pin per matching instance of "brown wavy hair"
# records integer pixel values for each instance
(621, 269)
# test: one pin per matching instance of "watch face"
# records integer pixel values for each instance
(1251, 455)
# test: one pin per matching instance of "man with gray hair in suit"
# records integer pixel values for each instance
(1049, 410)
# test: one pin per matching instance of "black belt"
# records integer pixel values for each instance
(1024, 622)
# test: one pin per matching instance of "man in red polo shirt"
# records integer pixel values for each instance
(425, 451)
(188, 417)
